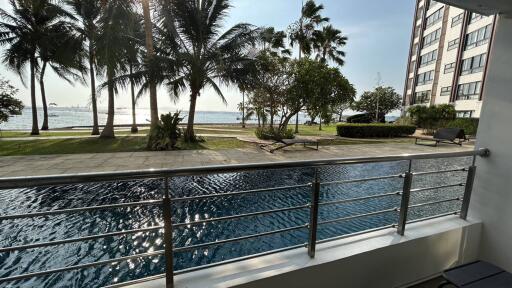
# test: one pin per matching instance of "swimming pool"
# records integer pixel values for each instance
(50, 228)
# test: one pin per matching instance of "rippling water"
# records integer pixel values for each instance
(50, 228)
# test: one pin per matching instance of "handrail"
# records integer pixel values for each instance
(39, 181)
(313, 205)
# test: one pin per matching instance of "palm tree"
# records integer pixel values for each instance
(23, 31)
(327, 44)
(301, 32)
(199, 52)
(115, 24)
(60, 50)
(150, 57)
(88, 11)
(273, 40)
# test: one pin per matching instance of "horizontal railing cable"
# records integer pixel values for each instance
(334, 202)
(357, 216)
(80, 266)
(199, 246)
(238, 193)
(361, 179)
(177, 225)
(461, 169)
(436, 202)
(356, 233)
(82, 209)
(437, 187)
(79, 239)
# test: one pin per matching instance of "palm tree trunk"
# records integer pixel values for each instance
(243, 109)
(189, 134)
(35, 125)
(148, 29)
(43, 97)
(132, 87)
(108, 131)
(94, 104)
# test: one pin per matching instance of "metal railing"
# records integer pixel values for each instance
(167, 203)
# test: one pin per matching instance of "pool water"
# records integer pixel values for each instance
(51, 228)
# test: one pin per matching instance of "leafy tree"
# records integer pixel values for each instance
(88, 13)
(200, 54)
(23, 32)
(327, 43)
(432, 117)
(382, 99)
(9, 105)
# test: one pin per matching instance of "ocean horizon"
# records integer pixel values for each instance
(64, 117)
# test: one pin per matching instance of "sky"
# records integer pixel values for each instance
(378, 34)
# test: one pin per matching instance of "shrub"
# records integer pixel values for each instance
(470, 125)
(166, 134)
(404, 121)
(271, 133)
(374, 130)
(433, 117)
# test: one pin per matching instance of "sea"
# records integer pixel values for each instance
(67, 117)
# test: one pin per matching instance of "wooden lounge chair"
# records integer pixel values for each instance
(283, 143)
(477, 274)
(444, 135)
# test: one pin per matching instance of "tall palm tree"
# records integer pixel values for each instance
(150, 57)
(301, 32)
(60, 50)
(88, 12)
(202, 56)
(327, 44)
(23, 31)
(114, 28)
(273, 40)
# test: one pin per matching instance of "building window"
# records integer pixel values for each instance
(453, 44)
(429, 58)
(420, 13)
(432, 38)
(409, 83)
(465, 114)
(475, 17)
(434, 17)
(422, 97)
(425, 78)
(469, 91)
(457, 19)
(445, 91)
(474, 64)
(415, 49)
(478, 37)
(448, 68)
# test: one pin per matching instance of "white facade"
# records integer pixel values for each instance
(448, 58)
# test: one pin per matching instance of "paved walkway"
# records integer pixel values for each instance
(11, 166)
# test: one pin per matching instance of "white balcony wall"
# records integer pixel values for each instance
(492, 196)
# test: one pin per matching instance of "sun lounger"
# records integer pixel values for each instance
(281, 144)
(444, 135)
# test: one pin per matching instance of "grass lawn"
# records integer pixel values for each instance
(94, 145)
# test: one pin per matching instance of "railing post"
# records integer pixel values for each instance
(169, 259)
(404, 205)
(313, 218)
(467, 192)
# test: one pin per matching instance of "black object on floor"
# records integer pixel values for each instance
(477, 274)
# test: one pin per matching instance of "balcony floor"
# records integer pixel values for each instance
(433, 283)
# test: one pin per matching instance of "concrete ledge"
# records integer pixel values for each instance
(377, 259)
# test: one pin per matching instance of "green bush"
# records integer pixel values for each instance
(404, 121)
(166, 134)
(433, 117)
(270, 133)
(374, 130)
(470, 125)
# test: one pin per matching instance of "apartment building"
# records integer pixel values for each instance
(448, 55)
